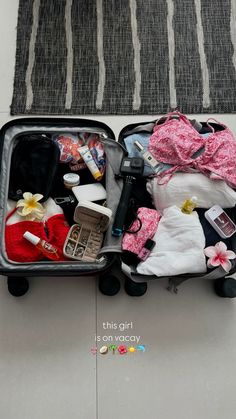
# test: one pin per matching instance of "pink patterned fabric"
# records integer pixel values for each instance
(176, 141)
(135, 242)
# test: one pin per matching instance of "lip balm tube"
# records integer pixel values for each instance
(90, 163)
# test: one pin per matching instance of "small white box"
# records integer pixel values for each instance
(91, 192)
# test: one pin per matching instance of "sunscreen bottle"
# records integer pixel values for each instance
(90, 163)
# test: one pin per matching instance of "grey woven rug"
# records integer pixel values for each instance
(125, 57)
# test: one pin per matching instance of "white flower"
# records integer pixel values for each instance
(31, 209)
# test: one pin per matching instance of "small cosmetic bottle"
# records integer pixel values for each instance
(148, 157)
(49, 251)
(189, 205)
(146, 250)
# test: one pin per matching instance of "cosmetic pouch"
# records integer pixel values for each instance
(34, 163)
(142, 229)
(69, 144)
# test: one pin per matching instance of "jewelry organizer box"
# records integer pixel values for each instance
(85, 238)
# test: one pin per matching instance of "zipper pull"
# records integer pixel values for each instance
(63, 200)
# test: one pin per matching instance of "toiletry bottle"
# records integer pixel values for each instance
(189, 205)
(90, 163)
(49, 251)
(148, 157)
(146, 250)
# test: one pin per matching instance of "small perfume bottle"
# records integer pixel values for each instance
(49, 251)
(189, 205)
(148, 157)
(146, 250)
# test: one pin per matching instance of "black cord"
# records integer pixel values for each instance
(139, 228)
(133, 217)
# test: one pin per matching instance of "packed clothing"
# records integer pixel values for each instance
(178, 198)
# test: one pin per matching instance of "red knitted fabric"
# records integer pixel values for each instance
(17, 247)
(58, 229)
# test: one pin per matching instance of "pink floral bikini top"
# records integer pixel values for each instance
(176, 142)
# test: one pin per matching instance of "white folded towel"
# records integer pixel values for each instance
(179, 246)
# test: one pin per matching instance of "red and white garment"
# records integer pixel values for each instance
(53, 228)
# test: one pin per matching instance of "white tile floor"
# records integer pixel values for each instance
(46, 368)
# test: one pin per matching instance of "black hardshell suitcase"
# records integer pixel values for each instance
(8, 136)
(111, 251)
(173, 281)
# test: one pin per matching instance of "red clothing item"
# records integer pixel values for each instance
(176, 142)
(18, 249)
(58, 229)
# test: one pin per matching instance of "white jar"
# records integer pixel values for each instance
(71, 180)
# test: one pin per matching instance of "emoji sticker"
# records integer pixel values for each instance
(122, 349)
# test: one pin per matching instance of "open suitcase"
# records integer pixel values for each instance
(111, 252)
(175, 280)
(10, 135)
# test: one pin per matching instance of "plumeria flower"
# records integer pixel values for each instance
(31, 209)
(219, 256)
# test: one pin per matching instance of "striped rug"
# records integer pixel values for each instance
(125, 57)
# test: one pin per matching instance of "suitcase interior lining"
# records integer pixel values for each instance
(148, 127)
(11, 137)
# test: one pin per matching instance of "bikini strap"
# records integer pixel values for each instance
(181, 116)
(10, 214)
(215, 120)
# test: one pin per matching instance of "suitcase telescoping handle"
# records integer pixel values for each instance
(130, 169)
(119, 221)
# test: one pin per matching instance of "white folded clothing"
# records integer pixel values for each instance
(183, 186)
(179, 246)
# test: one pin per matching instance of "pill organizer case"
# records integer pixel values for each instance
(85, 238)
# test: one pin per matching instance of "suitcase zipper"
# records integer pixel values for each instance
(103, 136)
(66, 131)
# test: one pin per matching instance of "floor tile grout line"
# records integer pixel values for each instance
(96, 331)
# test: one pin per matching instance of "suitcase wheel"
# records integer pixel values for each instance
(135, 289)
(109, 284)
(225, 287)
(17, 285)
